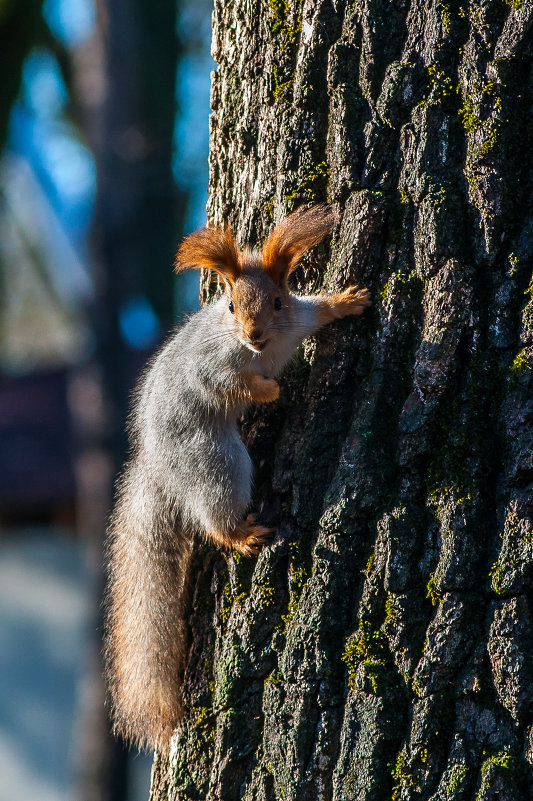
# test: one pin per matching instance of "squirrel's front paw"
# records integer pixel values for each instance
(354, 300)
(264, 390)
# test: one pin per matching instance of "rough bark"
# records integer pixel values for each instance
(382, 646)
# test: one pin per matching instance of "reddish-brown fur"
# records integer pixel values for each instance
(215, 248)
(293, 237)
(332, 307)
(211, 249)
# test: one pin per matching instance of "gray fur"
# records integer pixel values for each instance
(190, 441)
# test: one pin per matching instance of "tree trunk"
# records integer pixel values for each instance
(382, 646)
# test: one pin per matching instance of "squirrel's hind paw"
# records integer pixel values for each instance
(247, 538)
(254, 537)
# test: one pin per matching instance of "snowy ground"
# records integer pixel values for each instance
(45, 614)
(47, 619)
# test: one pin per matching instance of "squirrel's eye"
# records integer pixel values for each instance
(277, 304)
(231, 307)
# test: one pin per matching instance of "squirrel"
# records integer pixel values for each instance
(189, 471)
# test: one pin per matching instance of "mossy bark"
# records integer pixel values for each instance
(382, 647)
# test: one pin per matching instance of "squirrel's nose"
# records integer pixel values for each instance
(255, 334)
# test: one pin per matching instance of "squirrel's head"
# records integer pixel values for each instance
(256, 280)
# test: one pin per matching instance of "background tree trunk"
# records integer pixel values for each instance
(382, 646)
(138, 209)
(124, 80)
(21, 28)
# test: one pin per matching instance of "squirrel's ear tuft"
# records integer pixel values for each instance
(211, 249)
(293, 237)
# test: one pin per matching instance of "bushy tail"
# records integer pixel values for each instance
(146, 633)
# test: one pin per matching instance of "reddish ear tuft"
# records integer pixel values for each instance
(293, 237)
(212, 249)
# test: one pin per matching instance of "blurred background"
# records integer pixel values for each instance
(104, 110)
